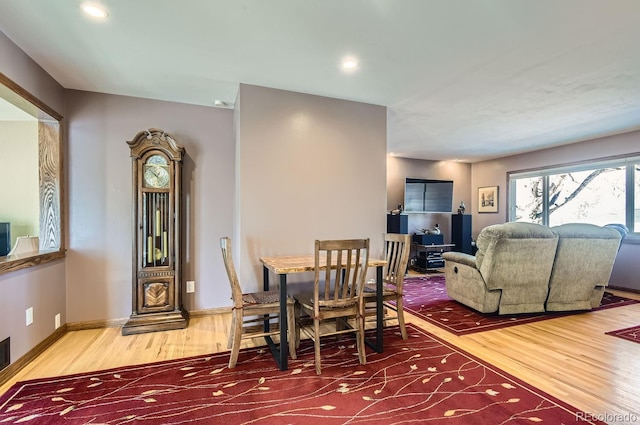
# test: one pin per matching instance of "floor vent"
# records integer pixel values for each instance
(5, 353)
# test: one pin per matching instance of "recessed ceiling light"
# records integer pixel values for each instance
(349, 64)
(95, 10)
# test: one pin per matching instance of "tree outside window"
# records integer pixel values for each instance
(596, 195)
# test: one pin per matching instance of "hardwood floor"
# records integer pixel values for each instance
(570, 357)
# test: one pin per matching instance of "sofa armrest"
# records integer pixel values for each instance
(465, 284)
(460, 257)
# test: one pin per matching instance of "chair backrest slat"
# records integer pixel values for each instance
(340, 272)
(236, 290)
(397, 247)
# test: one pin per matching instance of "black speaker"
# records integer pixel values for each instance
(461, 233)
(5, 239)
(397, 223)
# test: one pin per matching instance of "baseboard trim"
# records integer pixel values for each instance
(96, 324)
(622, 288)
(115, 323)
(15, 367)
(209, 311)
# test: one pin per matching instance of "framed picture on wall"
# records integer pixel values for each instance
(488, 199)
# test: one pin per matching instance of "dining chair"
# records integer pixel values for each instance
(339, 276)
(250, 310)
(396, 248)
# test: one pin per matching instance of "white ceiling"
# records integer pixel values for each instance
(462, 79)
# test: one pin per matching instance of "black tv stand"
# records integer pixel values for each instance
(428, 257)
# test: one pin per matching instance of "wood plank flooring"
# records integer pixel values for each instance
(570, 358)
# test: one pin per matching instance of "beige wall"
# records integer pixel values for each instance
(99, 256)
(309, 167)
(19, 67)
(494, 172)
(626, 268)
(41, 287)
(19, 165)
(398, 169)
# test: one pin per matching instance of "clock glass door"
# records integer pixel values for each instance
(156, 228)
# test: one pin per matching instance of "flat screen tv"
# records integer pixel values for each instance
(426, 195)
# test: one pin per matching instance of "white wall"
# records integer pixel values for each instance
(19, 165)
(309, 167)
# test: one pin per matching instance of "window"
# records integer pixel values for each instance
(602, 192)
(30, 137)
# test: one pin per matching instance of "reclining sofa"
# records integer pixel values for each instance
(530, 268)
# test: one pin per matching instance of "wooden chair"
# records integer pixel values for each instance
(252, 309)
(397, 247)
(340, 272)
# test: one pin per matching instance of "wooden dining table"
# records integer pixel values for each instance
(285, 265)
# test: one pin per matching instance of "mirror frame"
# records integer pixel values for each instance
(51, 192)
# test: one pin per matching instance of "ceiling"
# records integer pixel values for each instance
(462, 79)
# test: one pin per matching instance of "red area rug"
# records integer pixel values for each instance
(427, 298)
(631, 334)
(422, 380)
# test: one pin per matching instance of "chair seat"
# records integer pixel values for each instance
(306, 301)
(387, 291)
(266, 297)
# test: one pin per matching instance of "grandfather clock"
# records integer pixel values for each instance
(156, 161)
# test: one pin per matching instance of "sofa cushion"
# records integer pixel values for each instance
(490, 235)
(582, 267)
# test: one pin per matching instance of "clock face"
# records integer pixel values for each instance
(156, 172)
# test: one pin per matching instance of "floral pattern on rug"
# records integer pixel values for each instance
(631, 334)
(422, 380)
(426, 297)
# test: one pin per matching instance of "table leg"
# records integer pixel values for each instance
(265, 287)
(265, 278)
(378, 345)
(284, 325)
(281, 352)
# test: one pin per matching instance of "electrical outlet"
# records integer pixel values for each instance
(191, 286)
(57, 321)
(29, 314)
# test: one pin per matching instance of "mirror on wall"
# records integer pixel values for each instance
(19, 208)
(31, 164)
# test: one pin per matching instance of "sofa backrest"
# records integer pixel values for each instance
(517, 258)
(582, 267)
(620, 228)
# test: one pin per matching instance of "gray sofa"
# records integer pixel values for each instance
(530, 268)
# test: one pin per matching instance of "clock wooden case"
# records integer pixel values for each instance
(156, 160)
